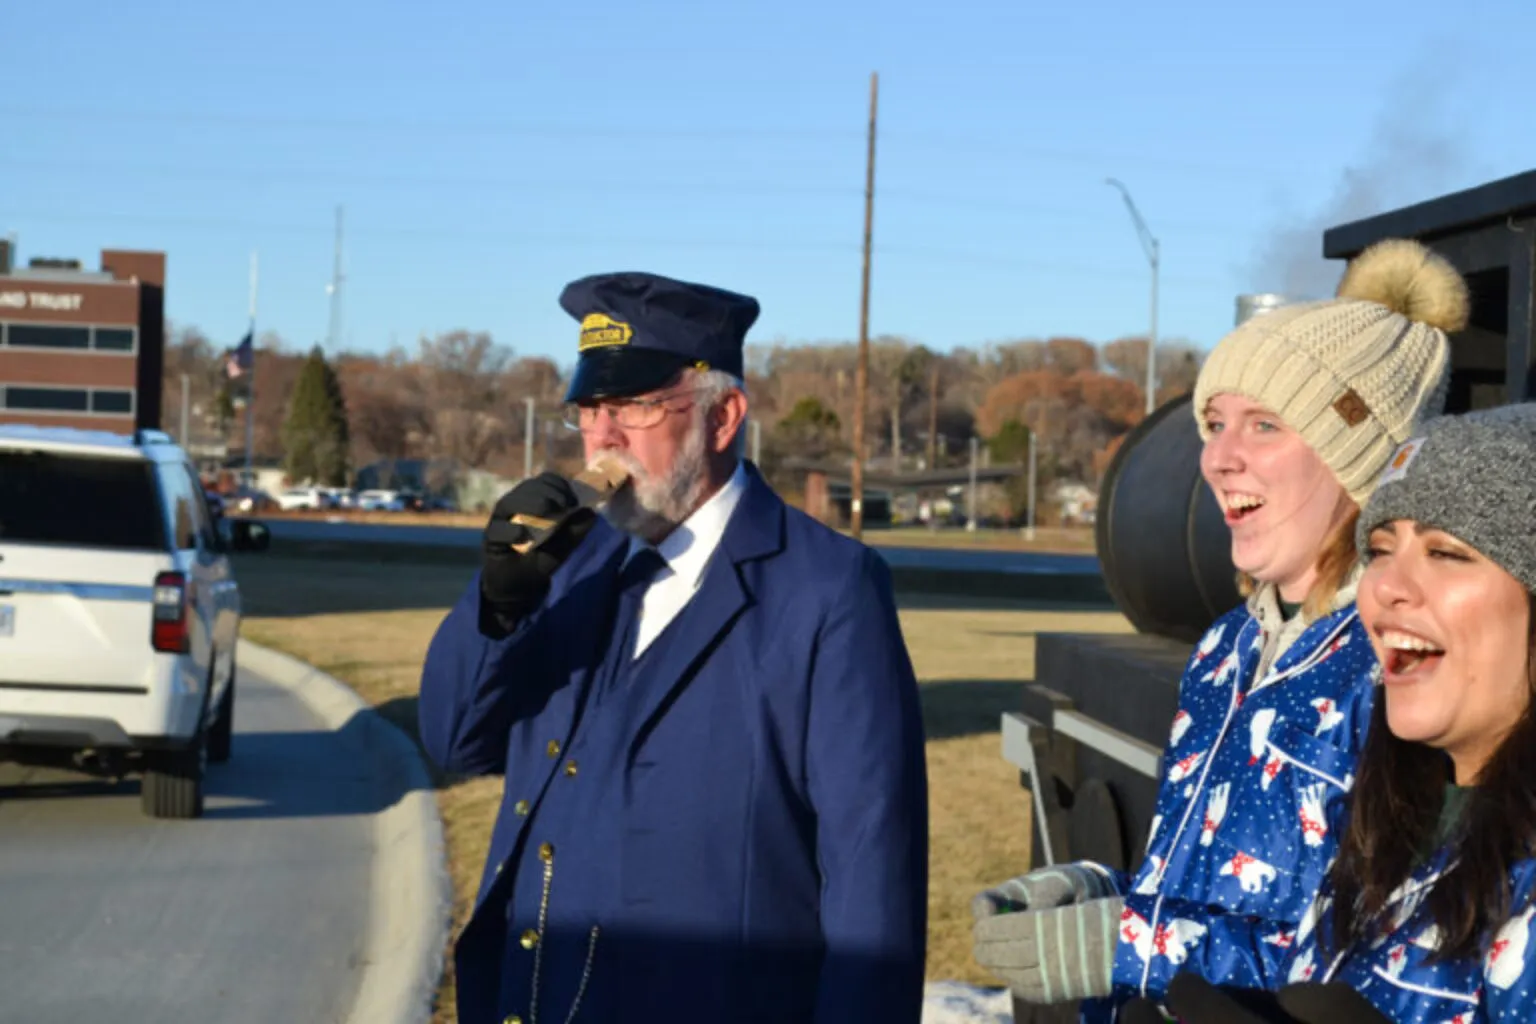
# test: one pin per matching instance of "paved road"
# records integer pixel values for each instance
(255, 913)
(946, 559)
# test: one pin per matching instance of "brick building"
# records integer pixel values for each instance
(82, 348)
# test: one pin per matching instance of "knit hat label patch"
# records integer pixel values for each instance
(1352, 408)
(1397, 467)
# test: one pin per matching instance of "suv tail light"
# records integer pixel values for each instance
(168, 629)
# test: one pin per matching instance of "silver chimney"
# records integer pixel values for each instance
(1250, 306)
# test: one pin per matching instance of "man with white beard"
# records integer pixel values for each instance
(715, 803)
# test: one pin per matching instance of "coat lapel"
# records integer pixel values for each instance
(755, 531)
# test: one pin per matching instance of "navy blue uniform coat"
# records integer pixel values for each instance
(752, 843)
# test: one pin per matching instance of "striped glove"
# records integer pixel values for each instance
(1060, 955)
(1056, 886)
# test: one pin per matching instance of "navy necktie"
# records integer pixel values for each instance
(636, 576)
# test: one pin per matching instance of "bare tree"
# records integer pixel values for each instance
(463, 384)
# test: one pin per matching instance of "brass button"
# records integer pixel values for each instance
(521, 807)
(530, 939)
(514, 1019)
(554, 748)
(546, 853)
(570, 767)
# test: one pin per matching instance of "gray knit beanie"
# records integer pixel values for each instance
(1473, 476)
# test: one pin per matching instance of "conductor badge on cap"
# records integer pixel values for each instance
(601, 331)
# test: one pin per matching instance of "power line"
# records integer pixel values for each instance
(686, 189)
(505, 240)
(120, 172)
(942, 142)
(395, 125)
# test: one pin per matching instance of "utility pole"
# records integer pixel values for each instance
(186, 384)
(1029, 531)
(1149, 245)
(528, 442)
(861, 378)
(333, 336)
(970, 512)
(250, 390)
(757, 442)
(933, 416)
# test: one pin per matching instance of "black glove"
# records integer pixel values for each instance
(1193, 1000)
(1329, 1003)
(512, 583)
(1141, 1011)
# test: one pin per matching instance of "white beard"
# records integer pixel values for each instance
(650, 507)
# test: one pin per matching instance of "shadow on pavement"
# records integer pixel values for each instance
(304, 774)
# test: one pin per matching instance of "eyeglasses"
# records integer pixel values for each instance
(628, 413)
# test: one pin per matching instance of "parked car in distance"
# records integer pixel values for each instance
(314, 498)
(381, 501)
(119, 611)
(341, 497)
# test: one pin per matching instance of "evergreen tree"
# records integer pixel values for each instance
(315, 436)
(1010, 443)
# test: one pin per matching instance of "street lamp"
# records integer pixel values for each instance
(1149, 244)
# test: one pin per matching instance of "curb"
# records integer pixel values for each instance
(411, 901)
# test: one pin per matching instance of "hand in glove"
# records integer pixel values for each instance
(1330, 1002)
(1060, 955)
(514, 583)
(1050, 887)
(1193, 1000)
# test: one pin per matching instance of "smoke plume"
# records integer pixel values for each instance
(1414, 152)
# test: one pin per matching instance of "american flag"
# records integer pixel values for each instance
(238, 359)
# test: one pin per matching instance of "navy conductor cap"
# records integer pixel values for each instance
(640, 331)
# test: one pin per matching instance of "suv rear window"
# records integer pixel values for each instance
(48, 498)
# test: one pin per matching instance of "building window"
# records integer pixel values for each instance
(46, 399)
(48, 336)
(117, 403)
(114, 339)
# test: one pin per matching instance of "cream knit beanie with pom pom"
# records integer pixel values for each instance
(1352, 374)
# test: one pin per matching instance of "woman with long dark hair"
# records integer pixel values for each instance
(1427, 914)
(1432, 890)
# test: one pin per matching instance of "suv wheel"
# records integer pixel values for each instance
(221, 732)
(173, 782)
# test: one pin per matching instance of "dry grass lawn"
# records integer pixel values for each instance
(970, 657)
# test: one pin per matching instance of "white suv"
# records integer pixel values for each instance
(118, 611)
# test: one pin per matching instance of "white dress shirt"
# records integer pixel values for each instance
(687, 551)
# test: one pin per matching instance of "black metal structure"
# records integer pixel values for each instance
(1489, 234)
(1163, 545)
(1089, 735)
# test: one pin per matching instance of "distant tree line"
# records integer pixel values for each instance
(462, 397)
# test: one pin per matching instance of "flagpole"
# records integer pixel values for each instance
(250, 389)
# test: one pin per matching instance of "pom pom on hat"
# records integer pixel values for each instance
(1409, 279)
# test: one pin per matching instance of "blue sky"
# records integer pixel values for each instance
(486, 153)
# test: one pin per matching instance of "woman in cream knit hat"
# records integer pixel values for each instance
(1300, 409)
